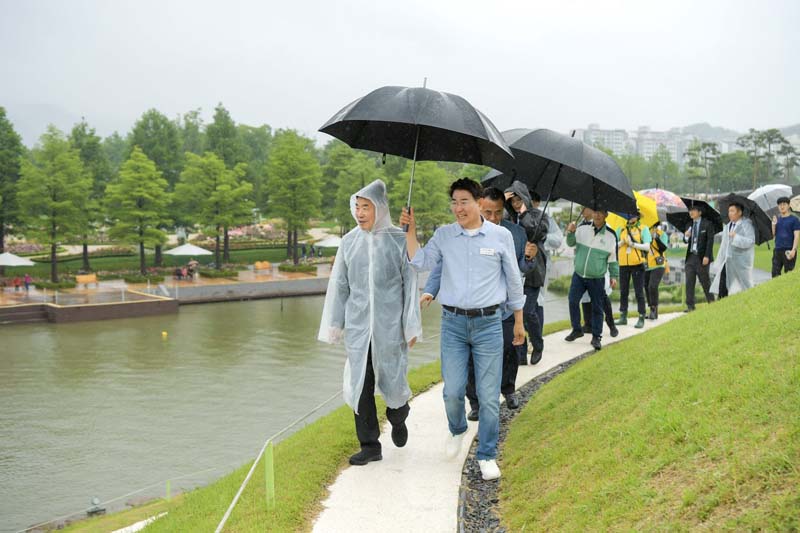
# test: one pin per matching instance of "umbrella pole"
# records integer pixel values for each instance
(411, 181)
(550, 194)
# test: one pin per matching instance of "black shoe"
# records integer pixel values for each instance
(536, 356)
(688, 310)
(574, 335)
(586, 328)
(400, 434)
(472, 416)
(512, 402)
(596, 343)
(652, 315)
(365, 456)
(614, 331)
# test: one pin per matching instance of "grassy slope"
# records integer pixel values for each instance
(691, 425)
(305, 464)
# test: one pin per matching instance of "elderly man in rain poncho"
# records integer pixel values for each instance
(733, 267)
(372, 303)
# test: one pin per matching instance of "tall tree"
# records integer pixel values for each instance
(159, 138)
(256, 142)
(753, 144)
(635, 168)
(95, 163)
(137, 203)
(429, 198)
(771, 139)
(214, 196)
(733, 171)
(790, 161)
(52, 193)
(663, 169)
(117, 150)
(223, 138)
(295, 182)
(192, 134)
(11, 151)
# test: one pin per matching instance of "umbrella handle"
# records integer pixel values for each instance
(411, 181)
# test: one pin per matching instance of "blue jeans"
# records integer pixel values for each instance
(483, 337)
(597, 290)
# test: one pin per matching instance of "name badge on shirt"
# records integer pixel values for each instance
(487, 251)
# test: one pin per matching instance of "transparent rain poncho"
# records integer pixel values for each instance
(372, 298)
(736, 256)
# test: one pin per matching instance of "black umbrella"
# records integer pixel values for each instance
(422, 125)
(556, 165)
(757, 216)
(682, 221)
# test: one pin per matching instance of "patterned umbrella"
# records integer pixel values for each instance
(666, 201)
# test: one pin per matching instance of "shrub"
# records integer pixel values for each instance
(219, 273)
(67, 284)
(309, 269)
(138, 278)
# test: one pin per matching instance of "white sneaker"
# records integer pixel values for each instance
(453, 445)
(489, 469)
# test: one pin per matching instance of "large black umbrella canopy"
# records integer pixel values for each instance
(420, 124)
(757, 216)
(682, 221)
(557, 165)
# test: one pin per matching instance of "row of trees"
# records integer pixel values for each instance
(766, 157)
(166, 173)
(182, 172)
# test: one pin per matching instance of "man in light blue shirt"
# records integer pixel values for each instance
(479, 273)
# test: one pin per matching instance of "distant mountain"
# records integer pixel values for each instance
(791, 130)
(705, 131)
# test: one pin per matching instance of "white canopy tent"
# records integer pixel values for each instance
(9, 259)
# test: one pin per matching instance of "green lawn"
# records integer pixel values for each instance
(693, 425)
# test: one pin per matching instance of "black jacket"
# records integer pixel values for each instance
(705, 240)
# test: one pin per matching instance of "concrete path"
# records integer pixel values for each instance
(415, 488)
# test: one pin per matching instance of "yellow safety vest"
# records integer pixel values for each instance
(628, 255)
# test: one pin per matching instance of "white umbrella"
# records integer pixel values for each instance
(188, 249)
(767, 197)
(329, 242)
(11, 260)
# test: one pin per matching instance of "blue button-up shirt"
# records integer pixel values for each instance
(477, 271)
(520, 238)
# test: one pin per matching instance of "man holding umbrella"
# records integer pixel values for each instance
(479, 273)
(595, 254)
(699, 255)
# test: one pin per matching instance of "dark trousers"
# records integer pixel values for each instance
(511, 355)
(723, 283)
(694, 269)
(367, 427)
(652, 279)
(596, 289)
(530, 315)
(608, 313)
(781, 263)
(626, 273)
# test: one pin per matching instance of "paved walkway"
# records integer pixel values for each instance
(415, 488)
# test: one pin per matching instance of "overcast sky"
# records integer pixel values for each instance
(294, 63)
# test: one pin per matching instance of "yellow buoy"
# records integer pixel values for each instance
(163, 334)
